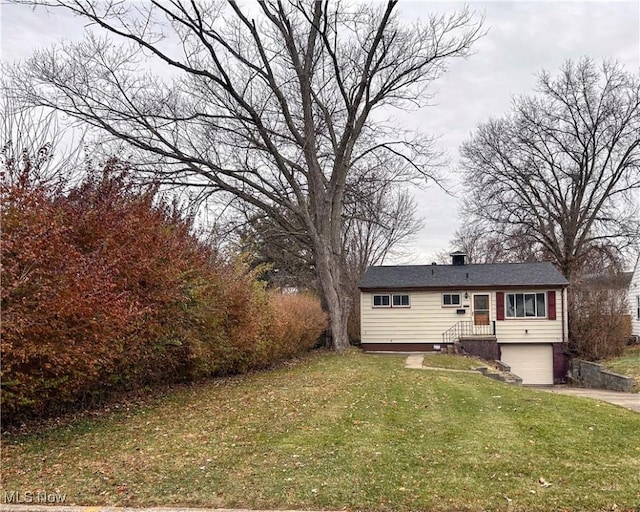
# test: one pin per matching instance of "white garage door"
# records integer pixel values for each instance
(534, 363)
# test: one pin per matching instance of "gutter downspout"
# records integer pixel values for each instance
(564, 317)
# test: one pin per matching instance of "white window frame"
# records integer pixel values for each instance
(457, 306)
(638, 307)
(373, 300)
(390, 297)
(407, 305)
(515, 308)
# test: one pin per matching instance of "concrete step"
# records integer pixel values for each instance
(499, 375)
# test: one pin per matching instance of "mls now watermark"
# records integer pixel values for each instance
(34, 497)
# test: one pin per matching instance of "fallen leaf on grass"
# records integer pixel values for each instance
(543, 482)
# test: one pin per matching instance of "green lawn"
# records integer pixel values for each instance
(627, 364)
(348, 431)
(452, 362)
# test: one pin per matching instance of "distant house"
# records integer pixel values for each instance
(513, 312)
(634, 300)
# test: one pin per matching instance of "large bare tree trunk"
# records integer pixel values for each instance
(338, 300)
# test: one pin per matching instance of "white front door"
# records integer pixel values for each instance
(481, 314)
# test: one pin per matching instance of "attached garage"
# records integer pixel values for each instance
(532, 362)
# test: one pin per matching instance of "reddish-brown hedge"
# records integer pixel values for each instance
(104, 288)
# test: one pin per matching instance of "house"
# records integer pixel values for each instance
(512, 312)
(634, 300)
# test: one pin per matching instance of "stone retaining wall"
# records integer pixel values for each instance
(594, 375)
(486, 349)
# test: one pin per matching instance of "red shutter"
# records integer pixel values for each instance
(499, 305)
(551, 305)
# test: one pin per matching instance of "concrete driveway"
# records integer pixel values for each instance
(627, 400)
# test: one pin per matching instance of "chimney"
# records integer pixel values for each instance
(458, 258)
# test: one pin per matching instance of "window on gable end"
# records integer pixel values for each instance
(381, 301)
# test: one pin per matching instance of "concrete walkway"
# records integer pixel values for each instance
(628, 400)
(414, 361)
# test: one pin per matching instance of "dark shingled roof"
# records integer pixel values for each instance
(463, 276)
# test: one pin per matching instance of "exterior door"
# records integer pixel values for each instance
(533, 363)
(481, 313)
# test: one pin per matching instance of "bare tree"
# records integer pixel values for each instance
(376, 226)
(561, 169)
(380, 214)
(379, 228)
(34, 138)
(378, 222)
(274, 105)
(482, 243)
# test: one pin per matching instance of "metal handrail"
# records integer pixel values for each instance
(467, 328)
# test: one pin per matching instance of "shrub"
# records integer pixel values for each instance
(63, 312)
(104, 288)
(297, 322)
(599, 323)
(222, 319)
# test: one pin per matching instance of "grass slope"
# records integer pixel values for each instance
(452, 362)
(627, 364)
(355, 431)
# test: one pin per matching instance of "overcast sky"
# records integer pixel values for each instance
(523, 38)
